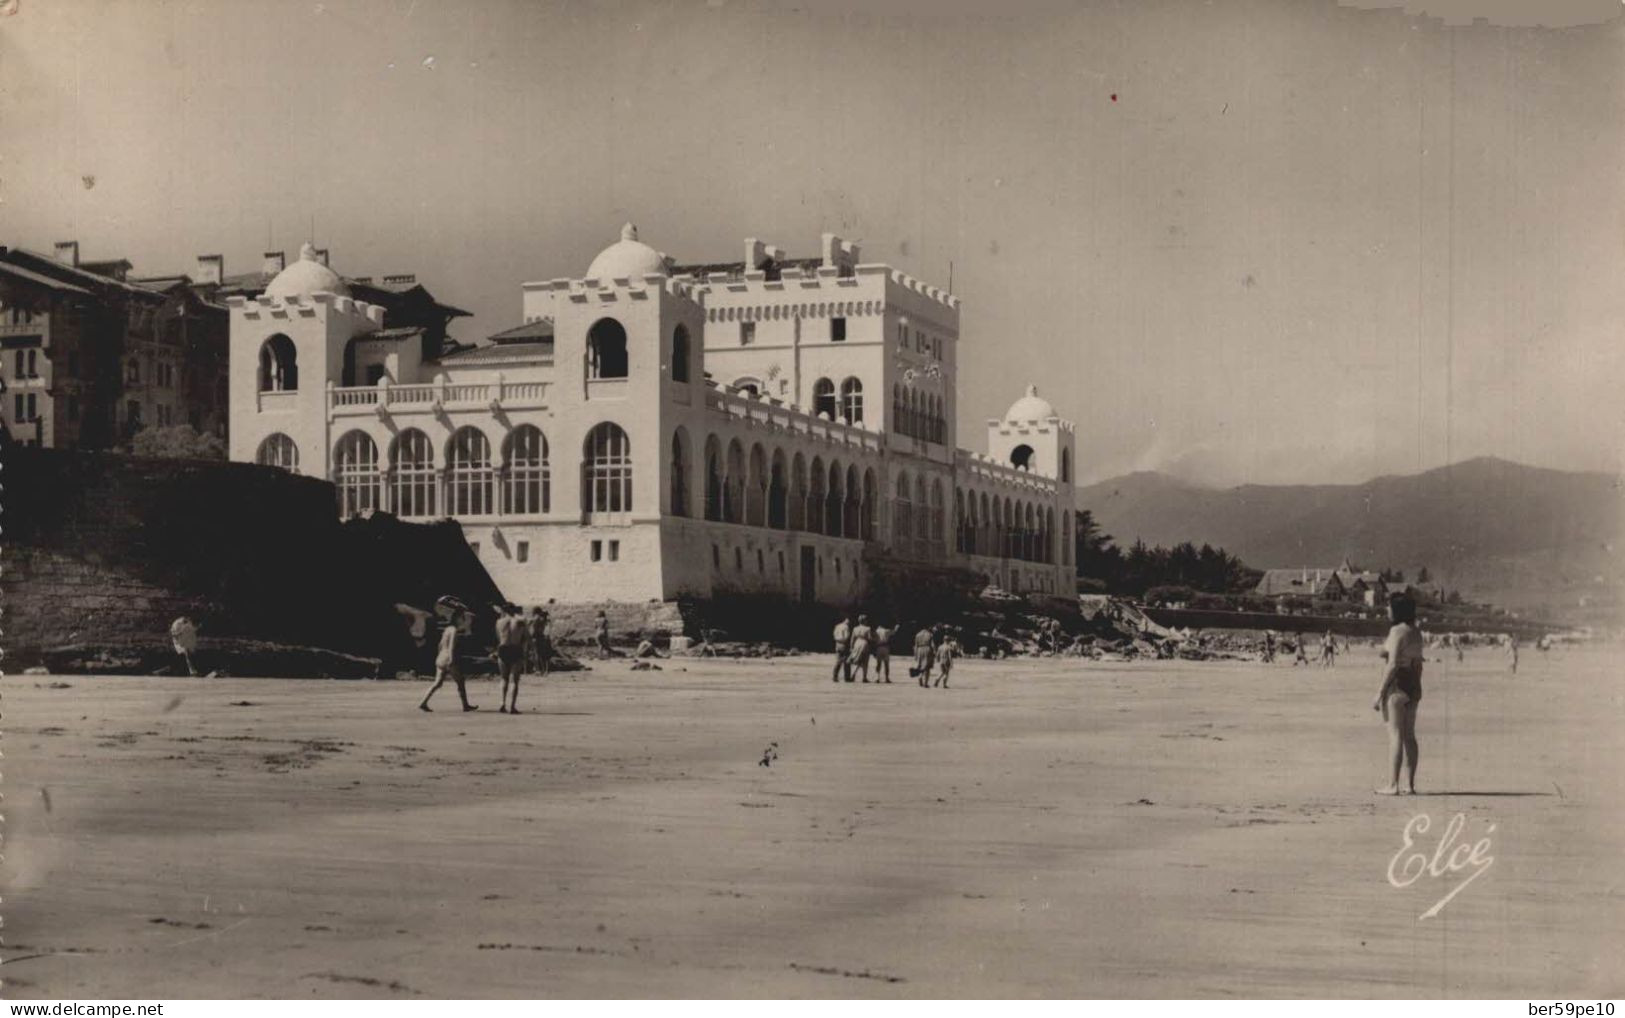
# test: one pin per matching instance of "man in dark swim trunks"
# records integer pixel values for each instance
(511, 633)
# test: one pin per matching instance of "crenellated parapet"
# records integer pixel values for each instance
(624, 288)
(304, 306)
(974, 466)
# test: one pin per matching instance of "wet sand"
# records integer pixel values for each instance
(1050, 828)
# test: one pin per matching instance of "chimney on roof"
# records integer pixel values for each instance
(840, 254)
(211, 269)
(67, 252)
(321, 255)
(275, 261)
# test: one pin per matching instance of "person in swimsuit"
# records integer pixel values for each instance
(511, 635)
(843, 650)
(1401, 690)
(540, 647)
(882, 653)
(947, 650)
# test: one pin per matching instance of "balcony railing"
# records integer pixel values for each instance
(775, 414)
(427, 398)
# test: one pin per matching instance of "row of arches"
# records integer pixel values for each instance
(775, 490)
(919, 414)
(471, 482)
(1003, 527)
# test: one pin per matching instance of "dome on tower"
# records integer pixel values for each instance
(627, 258)
(305, 277)
(1030, 407)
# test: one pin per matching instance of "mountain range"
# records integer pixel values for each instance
(1527, 538)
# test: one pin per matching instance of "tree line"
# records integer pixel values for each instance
(1104, 567)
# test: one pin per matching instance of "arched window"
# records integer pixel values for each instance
(132, 371)
(938, 513)
(278, 450)
(713, 478)
(279, 367)
(777, 492)
(922, 516)
(679, 472)
(679, 354)
(1066, 538)
(472, 479)
(817, 492)
(824, 398)
(796, 501)
(527, 483)
(411, 469)
(1021, 457)
(959, 521)
(733, 484)
(355, 472)
(1066, 466)
(897, 421)
(852, 508)
(606, 349)
(834, 499)
(606, 470)
(756, 488)
(852, 401)
(748, 386)
(902, 522)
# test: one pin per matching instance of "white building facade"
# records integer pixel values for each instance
(656, 432)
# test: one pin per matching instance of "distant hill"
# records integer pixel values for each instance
(1524, 537)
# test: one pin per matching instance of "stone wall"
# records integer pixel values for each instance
(102, 552)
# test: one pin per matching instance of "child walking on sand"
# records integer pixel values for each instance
(947, 650)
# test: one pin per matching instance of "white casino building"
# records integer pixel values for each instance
(657, 431)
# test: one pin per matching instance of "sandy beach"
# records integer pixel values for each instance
(1044, 828)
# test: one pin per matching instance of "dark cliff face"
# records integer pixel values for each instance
(105, 550)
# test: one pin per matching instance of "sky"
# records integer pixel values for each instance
(1268, 241)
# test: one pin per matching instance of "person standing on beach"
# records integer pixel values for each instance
(843, 650)
(862, 640)
(1328, 650)
(1512, 653)
(511, 633)
(882, 654)
(1401, 691)
(445, 664)
(183, 634)
(1269, 646)
(947, 650)
(539, 646)
(601, 636)
(923, 655)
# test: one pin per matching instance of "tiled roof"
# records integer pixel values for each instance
(1294, 581)
(500, 352)
(402, 332)
(18, 272)
(528, 332)
(49, 266)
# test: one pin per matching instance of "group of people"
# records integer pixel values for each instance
(523, 646)
(856, 645)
